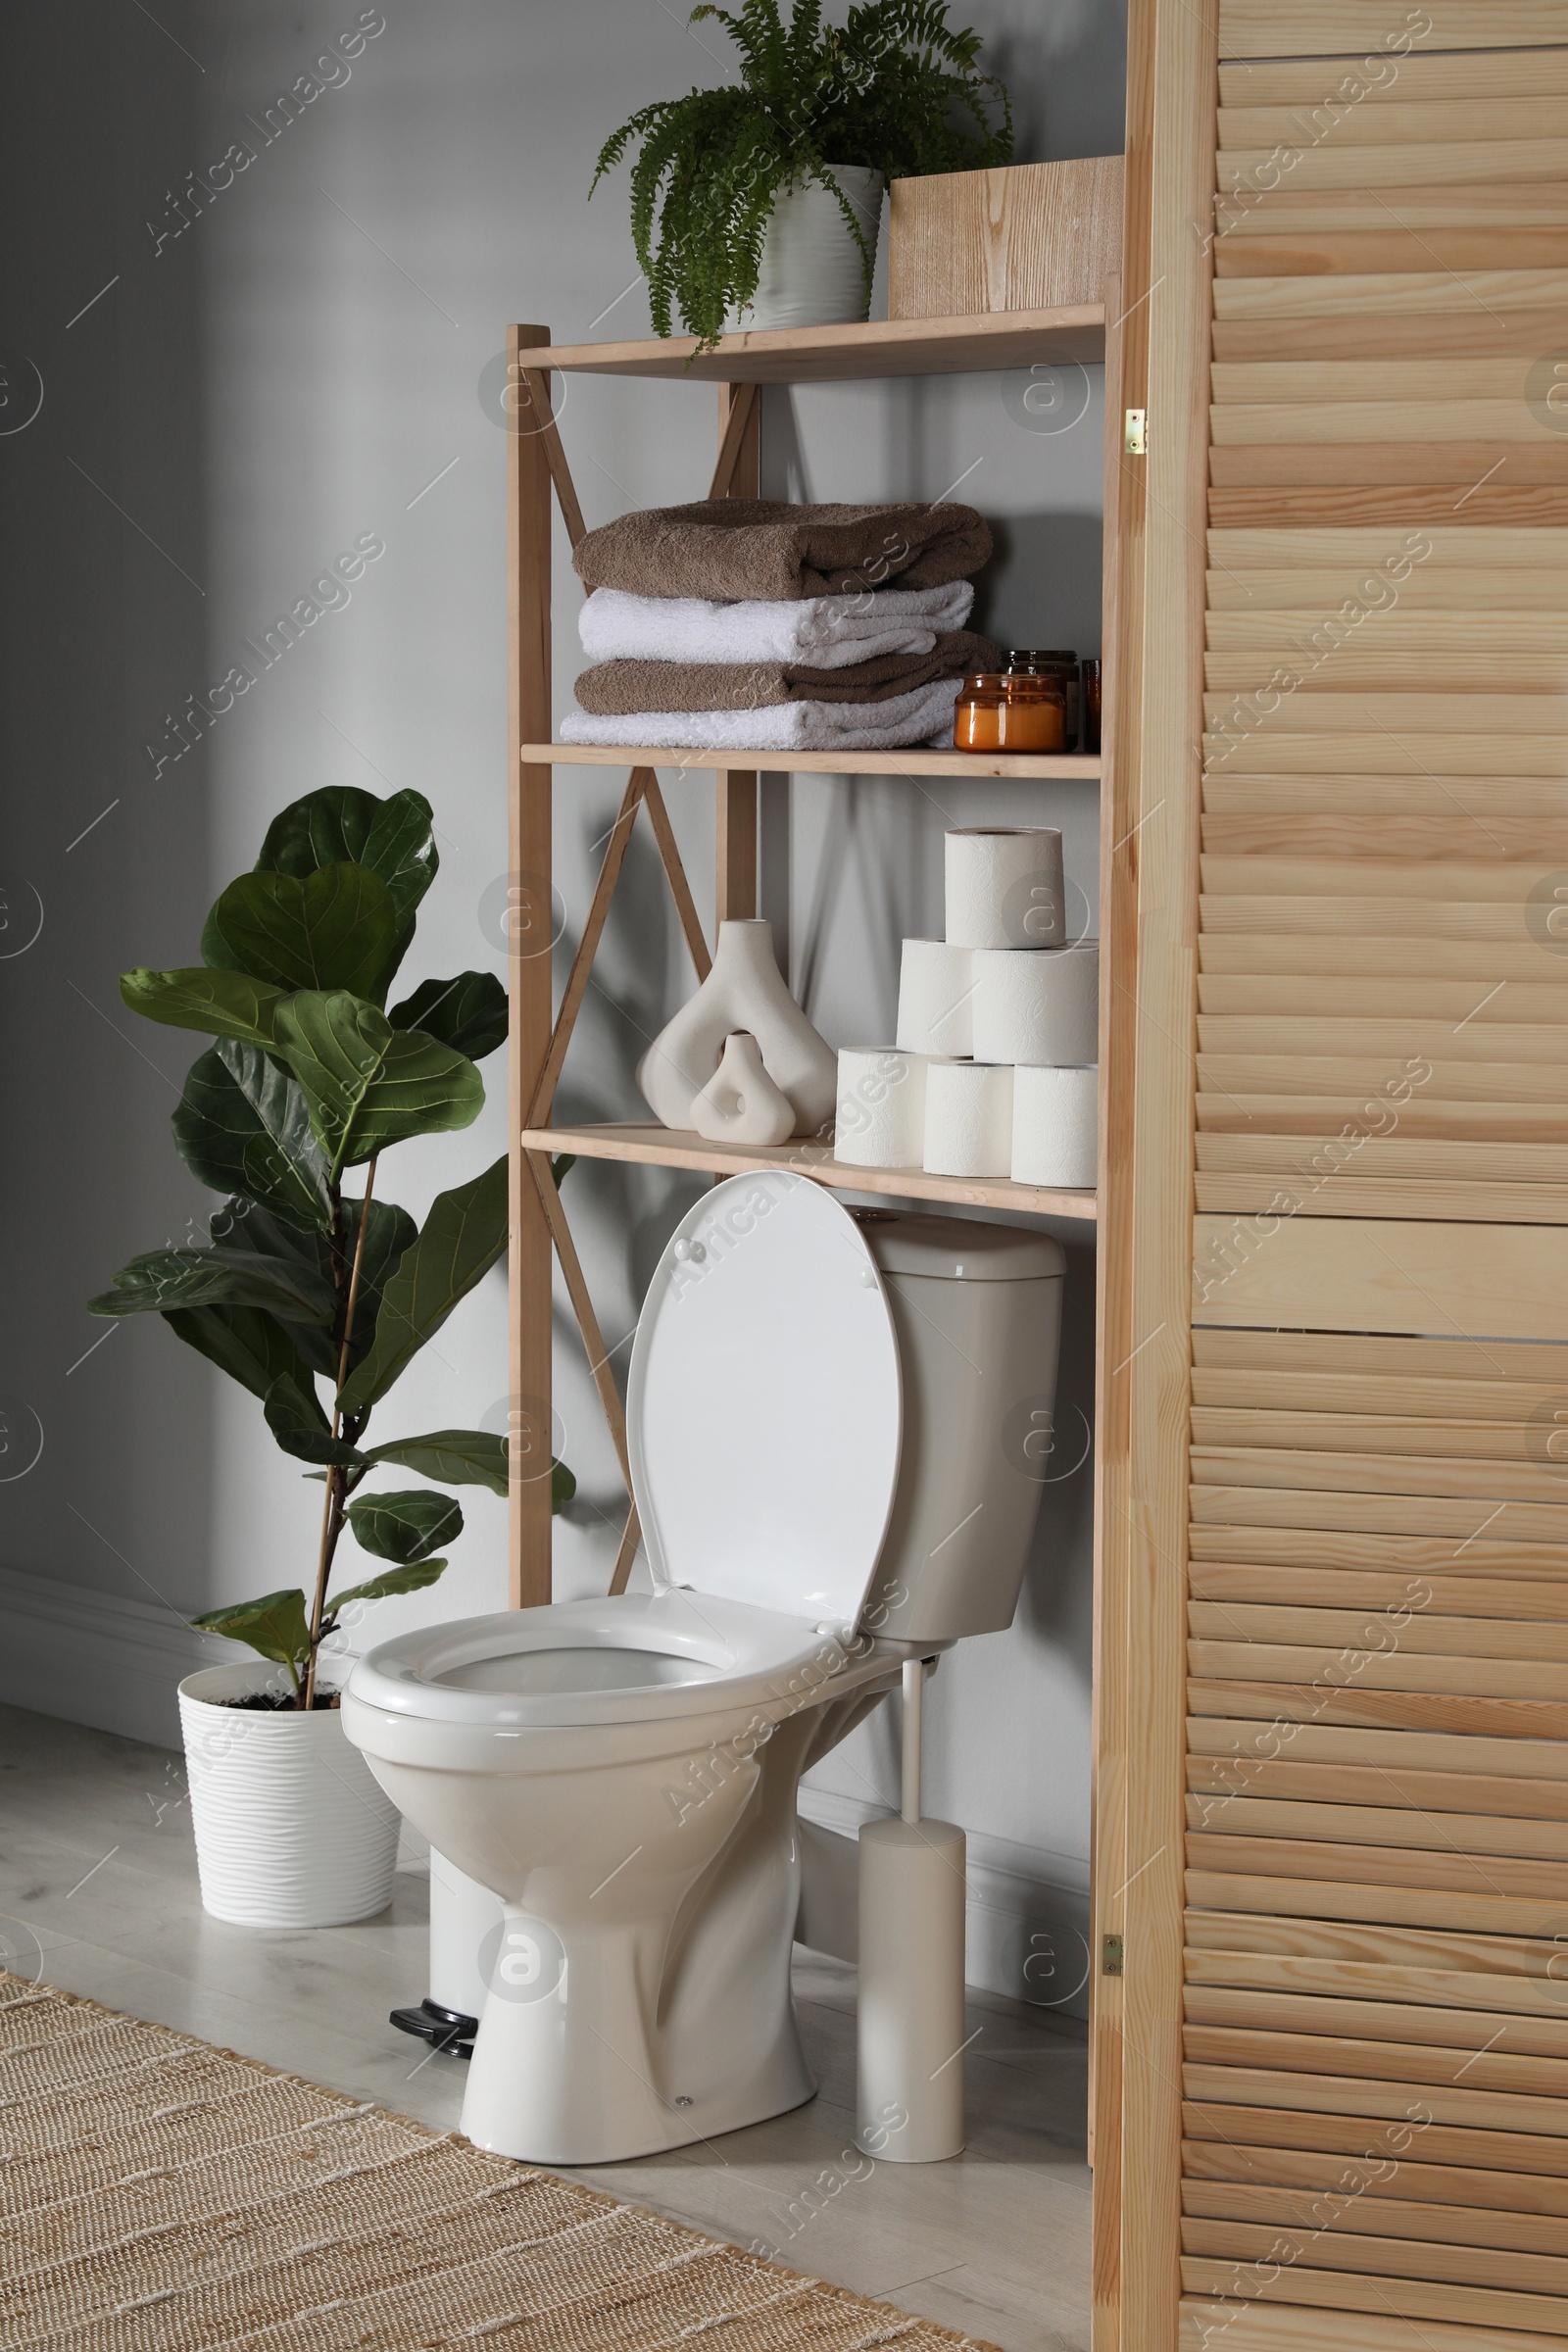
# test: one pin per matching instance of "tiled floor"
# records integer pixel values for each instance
(98, 1895)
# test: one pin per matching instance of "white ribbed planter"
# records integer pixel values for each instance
(811, 274)
(292, 1829)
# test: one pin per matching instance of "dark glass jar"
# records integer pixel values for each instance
(1064, 664)
(1092, 703)
(1012, 711)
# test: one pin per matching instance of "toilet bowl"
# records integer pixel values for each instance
(622, 1772)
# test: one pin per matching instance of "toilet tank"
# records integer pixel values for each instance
(977, 1315)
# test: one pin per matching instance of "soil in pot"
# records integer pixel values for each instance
(280, 1703)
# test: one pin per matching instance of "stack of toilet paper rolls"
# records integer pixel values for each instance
(994, 1071)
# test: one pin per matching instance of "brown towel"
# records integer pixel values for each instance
(767, 548)
(613, 688)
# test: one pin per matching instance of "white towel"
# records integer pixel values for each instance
(824, 631)
(924, 717)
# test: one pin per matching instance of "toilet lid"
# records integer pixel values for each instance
(764, 1412)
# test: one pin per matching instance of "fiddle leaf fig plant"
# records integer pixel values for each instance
(302, 1283)
(894, 88)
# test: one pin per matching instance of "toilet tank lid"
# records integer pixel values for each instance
(958, 1249)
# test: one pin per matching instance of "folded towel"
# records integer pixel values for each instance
(829, 630)
(924, 717)
(615, 687)
(763, 547)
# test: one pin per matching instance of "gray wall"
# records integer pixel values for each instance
(300, 365)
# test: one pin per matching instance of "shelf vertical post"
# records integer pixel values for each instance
(735, 867)
(529, 928)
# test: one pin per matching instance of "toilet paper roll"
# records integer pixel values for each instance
(1005, 888)
(934, 984)
(969, 1119)
(881, 1108)
(1054, 1126)
(1037, 1005)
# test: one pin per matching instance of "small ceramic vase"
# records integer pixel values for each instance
(743, 991)
(740, 1103)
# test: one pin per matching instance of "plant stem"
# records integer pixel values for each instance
(332, 1507)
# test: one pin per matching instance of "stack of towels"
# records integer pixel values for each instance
(749, 624)
(994, 1071)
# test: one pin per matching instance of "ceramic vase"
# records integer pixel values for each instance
(743, 991)
(740, 1103)
(292, 1828)
(812, 273)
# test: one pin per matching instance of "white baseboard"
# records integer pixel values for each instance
(97, 1659)
(1028, 1911)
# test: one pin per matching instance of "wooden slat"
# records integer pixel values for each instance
(1478, 2198)
(1518, 1003)
(1283, 950)
(1297, 2207)
(1409, 163)
(1278, 2327)
(1351, 916)
(1347, 31)
(1531, 1960)
(1496, 2166)
(1371, 878)
(1372, 1433)
(1543, 1600)
(1454, 1280)
(1487, 2308)
(1440, 1870)
(1458, 204)
(1528, 2276)
(1457, 547)
(1434, 838)
(1310, 1116)
(1462, 467)
(1401, 506)
(1483, 1837)
(1320, 2054)
(1503, 1403)
(1346, 1077)
(1222, 1740)
(1361, 1987)
(1525, 330)
(1298, 425)
(1372, 1669)
(1247, 1037)
(1417, 1635)
(1497, 72)
(1293, 1781)
(1363, 1353)
(1386, 1196)
(1427, 294)
(1453, 120)
(1211, 1887)
(1358, 250)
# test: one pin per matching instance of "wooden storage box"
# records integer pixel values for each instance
(1026, 237)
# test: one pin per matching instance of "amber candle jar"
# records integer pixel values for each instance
(1012, 711)
(1064, 664)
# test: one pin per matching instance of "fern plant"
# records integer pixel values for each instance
(894, 88)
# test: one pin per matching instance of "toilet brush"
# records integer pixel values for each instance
(910, 2073)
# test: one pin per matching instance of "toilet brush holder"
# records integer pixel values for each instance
(909, 2060)
(465, 1930)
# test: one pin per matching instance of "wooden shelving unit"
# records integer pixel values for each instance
(540, 1031)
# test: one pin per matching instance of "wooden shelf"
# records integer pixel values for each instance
(1063, 767)
(672, 1147)
(807, 355)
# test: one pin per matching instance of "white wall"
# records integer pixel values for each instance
(303, 365)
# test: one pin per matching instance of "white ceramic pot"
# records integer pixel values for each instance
(292, 1828)
(812, 273)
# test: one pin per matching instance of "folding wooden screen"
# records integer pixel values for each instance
(1332, 1868)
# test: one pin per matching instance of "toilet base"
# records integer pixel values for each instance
(573, 2064)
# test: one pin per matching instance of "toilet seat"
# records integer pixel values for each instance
(565, 1664)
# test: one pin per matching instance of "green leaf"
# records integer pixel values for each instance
(405, 1526)
(376, 1588)
(468, 1013)
(463, 1458)
(368, 1084)
(223, 1003)
(342, 825)
(390, 1233)
(243, 1125)
(275, 1625)
(251, 1347)
(562, 1486)
(295, 1417)
(161, 1279)
(561, 1167)
(335, 928)
(462, 1238)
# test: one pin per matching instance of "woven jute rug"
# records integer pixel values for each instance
(160, 2195)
